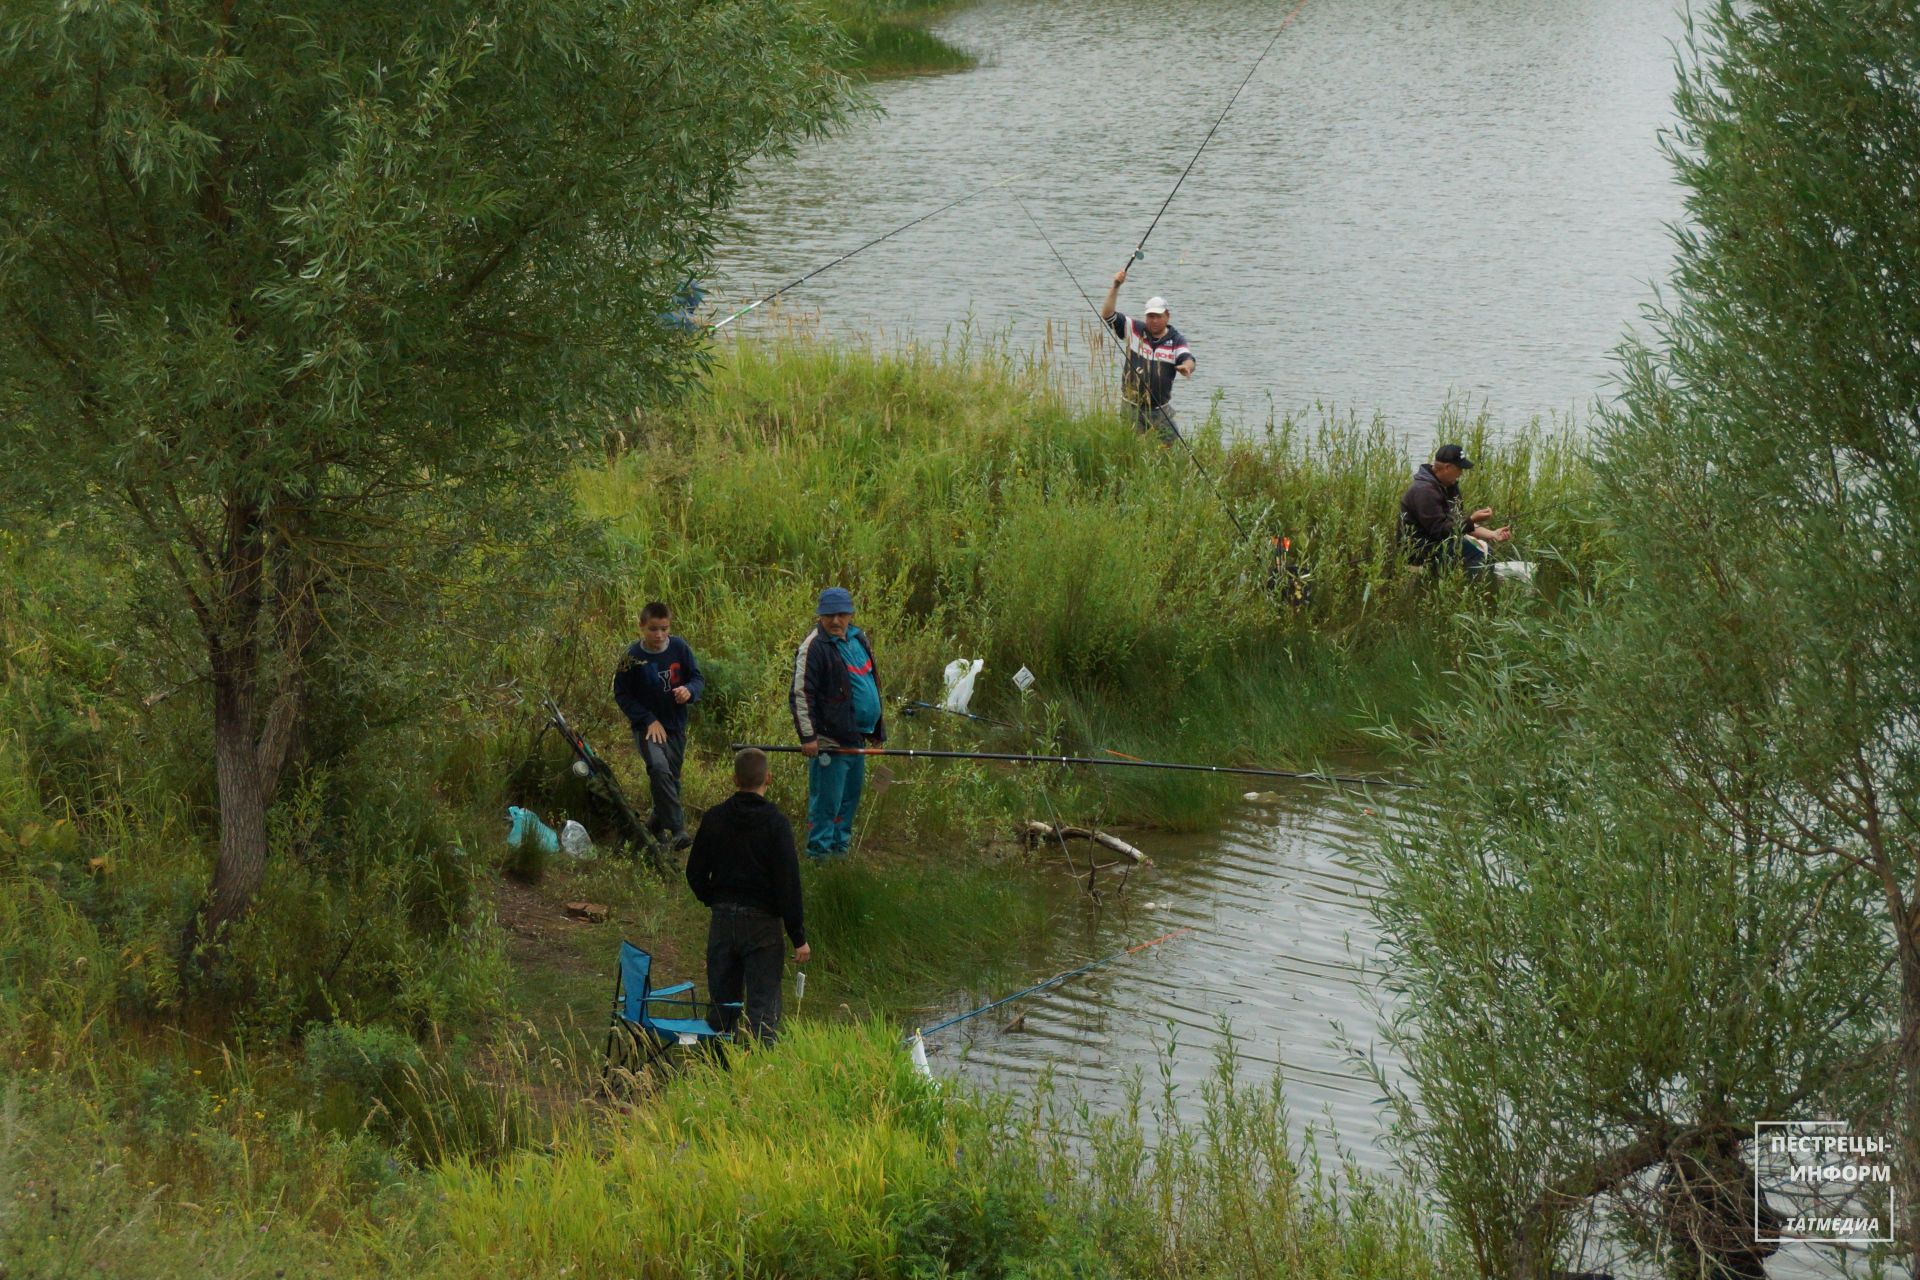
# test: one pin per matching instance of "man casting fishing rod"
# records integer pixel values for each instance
(1155, 352)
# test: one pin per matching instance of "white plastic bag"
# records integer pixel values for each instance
(575, 840)
(1520, 571)
(960, 674)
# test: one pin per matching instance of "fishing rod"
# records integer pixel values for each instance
(1048, 240)
(1140, 250)
(1011, 758)
(1199, 466)
(1054, 981)
(589, 764)
(716, 327)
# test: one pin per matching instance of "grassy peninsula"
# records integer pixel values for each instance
(397, 1070)
(889, 38)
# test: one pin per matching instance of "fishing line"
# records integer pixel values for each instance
(911, 705)
(1060, 834)
(1140, 250)
(1054, 981)
(1105, 330)
(719, 325)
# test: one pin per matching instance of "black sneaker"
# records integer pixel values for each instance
(681, 840)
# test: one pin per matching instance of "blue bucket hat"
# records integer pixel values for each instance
(835, 600)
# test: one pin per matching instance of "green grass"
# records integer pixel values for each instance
(830, 1157)
(889, 37)
(975, 509)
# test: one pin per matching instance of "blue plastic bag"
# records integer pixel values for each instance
(526, 824)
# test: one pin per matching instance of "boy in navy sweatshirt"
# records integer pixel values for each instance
(655, 683)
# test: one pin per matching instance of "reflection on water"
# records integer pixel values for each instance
(1412, 197)
(1283, 945)
(1280, 943)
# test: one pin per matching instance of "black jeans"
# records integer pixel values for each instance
(1157, 418)
(745, 949)
(663, 779)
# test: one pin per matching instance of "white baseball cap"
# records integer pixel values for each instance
(1156, 306)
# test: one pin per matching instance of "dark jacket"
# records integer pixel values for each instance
(1430, 515)
(821, 698)
(643, 684)
(743, 852)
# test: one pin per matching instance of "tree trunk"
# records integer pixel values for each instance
(243, 799)
(1907, 1219)
(233, 661)
(1530, 1249)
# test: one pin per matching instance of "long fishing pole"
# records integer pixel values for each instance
(1054, 981)
(1199, 466)
(719, 325)
(1140, 250)
(1011, 758)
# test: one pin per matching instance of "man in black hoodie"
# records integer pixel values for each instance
(743, 867)
(1431, 522)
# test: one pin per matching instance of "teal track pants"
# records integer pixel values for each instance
(834, 783)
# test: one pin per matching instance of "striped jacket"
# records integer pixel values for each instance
(822, 694)
(1151, 361)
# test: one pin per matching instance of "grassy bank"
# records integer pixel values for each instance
(890, 37)
(976, 511)
(394, 1058)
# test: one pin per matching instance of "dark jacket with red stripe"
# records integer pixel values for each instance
(822, 694)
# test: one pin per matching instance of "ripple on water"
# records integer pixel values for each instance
(1281, 927)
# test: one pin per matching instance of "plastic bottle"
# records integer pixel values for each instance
(575, 841)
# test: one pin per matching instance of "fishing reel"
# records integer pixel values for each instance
(1287, 578)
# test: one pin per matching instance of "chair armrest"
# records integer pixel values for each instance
(697, 1004)
(673, 990)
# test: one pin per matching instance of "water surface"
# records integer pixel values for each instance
(1413, 199)
(1280, 946)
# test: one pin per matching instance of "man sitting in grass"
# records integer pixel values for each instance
(1431, 524)
(655, 683)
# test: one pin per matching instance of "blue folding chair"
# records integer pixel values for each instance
(636, 1025)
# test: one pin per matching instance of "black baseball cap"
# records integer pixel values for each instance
(1453, 453)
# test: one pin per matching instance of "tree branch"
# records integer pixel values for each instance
(100, 182)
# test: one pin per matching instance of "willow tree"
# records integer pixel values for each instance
(1682, 893)
(291, 291)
